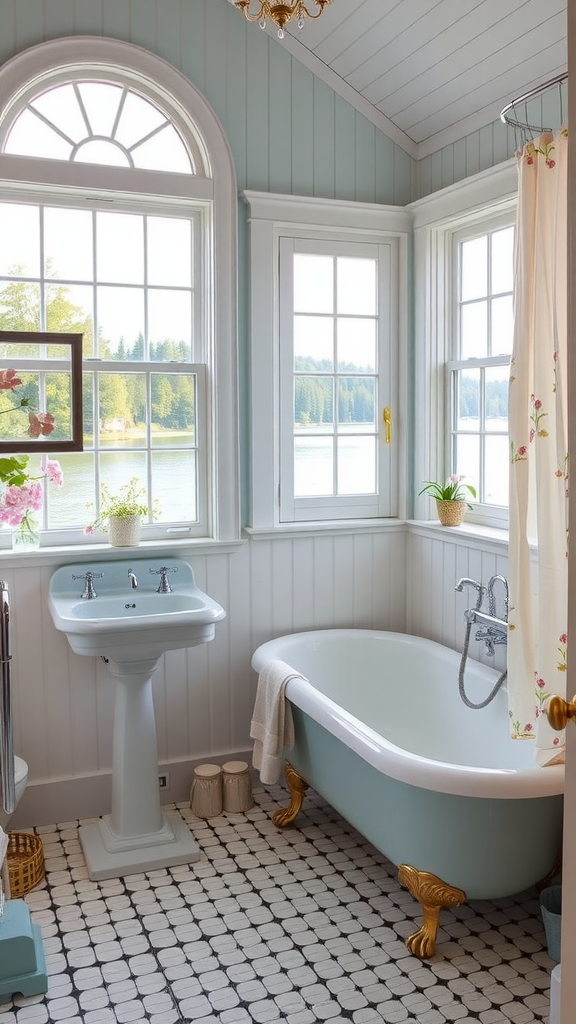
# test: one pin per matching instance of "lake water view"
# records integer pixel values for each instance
(174, 476)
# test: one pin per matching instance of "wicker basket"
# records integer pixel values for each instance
(25, 860)
(451, 513)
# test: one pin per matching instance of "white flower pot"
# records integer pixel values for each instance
(124, 531)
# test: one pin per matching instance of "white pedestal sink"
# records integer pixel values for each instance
(131, 628)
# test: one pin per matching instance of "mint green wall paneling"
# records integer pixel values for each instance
(143, 24)
(404, 178)
(169, 34)
(244, 396)
(57, 14)
(193, 48)
(115, 19)
(282, 70)
(365, 164)
(344, 150)
(447, 159)
(503, 142)
(88, 17)
(436, 170)
(302, 131)
(472, 153)
(324, 117)
(258, 112)
(8, 33)
(532, 111)
(385, 169)
(563, 99)
(236, 108)
(554, 108)
(30, 24)
(424, 176)
(459, 149)
(215, 73)
(486, 147)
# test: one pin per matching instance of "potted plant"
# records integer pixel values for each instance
(451, 499)
(121, 514)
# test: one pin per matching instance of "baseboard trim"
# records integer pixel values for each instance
(89, 796)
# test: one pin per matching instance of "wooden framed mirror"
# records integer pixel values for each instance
(40, 392)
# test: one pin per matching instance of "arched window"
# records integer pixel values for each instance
(117, 221)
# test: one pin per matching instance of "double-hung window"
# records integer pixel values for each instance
(117, 222)
(482, 326)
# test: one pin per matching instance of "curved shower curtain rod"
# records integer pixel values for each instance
(505, 113)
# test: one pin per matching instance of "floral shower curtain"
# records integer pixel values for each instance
(538, 437)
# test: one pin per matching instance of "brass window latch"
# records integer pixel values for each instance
(387, 417)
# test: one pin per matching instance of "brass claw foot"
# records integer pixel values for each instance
(433, 895)
(297, 787)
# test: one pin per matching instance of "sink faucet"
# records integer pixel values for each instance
(88, 593)
(162, 572)
(132, 579)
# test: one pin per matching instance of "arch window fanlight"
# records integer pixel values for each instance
(118, 221)
(98, 122)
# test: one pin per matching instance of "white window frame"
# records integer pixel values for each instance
(271, 218)
(481, 512)
(213, 188)
(479, 200)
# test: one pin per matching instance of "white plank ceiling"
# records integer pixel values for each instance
(435, 69)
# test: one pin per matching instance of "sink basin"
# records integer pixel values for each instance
(127, 624)
(131, 626)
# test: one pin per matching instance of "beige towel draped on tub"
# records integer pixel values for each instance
(272, 727)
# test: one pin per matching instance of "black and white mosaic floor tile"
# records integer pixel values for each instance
(302, 925)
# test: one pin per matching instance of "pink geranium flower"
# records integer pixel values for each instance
(53, 471)
(15, 502)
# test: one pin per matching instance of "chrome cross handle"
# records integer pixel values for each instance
(88, 591)
(162, 572)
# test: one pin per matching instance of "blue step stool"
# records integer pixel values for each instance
(22, 961)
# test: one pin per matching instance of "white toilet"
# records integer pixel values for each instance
(20, 780)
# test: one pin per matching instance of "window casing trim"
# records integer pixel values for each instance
(478, 200)
(270, 218)
(176, 94)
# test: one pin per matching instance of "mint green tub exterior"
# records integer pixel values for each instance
(382, 734)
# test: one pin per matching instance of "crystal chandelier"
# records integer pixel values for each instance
(281, 13)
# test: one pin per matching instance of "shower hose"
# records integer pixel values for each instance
(461, 687)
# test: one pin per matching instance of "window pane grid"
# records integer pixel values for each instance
(140, 399)
(334, 330)
(479, 374)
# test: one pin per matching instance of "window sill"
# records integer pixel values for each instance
(58, 554)
(327, 527)
(467, 532)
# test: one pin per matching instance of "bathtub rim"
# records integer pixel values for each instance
(396, 762)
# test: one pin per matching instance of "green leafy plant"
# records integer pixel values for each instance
(453, 490)
(128, 502)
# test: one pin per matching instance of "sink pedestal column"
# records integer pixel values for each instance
(136, 836)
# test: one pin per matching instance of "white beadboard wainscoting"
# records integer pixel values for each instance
(64, 703)
(436, 558)
(398, 576)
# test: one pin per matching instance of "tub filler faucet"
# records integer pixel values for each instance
(491, 631)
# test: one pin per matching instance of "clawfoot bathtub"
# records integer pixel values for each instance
(440, 789)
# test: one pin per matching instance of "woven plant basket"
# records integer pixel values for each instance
(25, 861)
(124, 531)
(451, 513)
